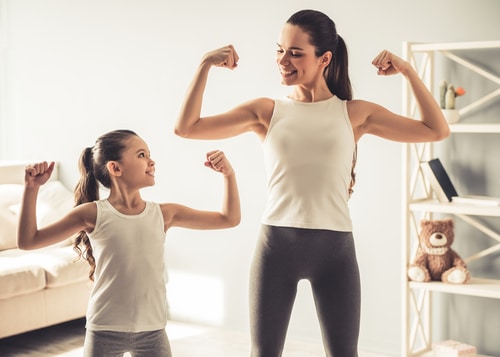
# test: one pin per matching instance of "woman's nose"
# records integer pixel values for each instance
(284, 59)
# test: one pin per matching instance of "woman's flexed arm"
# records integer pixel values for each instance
(436, 127)
(243, 118)
(370, 118)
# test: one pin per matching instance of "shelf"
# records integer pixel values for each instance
(425, 47)
(476, 58)
(482, 128)
(476, 287)
(431, 354)
(455, 208)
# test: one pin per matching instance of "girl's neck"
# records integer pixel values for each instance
(127, 203)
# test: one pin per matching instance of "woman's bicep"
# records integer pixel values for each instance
(379, 121)
(399, 128)
(246, 117)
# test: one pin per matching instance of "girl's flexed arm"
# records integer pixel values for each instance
(176, 215)
(29, 236)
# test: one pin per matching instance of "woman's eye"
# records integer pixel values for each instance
(296, 54)
(279, 51)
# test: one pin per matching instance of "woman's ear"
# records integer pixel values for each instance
(113, 168)
(326, 58)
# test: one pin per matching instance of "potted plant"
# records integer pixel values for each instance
(448, 93)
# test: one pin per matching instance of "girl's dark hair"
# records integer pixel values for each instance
(323, 35)
(93, 170)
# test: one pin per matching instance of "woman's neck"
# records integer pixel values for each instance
(310, 95)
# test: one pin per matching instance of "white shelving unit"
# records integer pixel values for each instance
(419, 200)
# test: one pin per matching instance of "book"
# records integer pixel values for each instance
(444, 189)
(439, 180)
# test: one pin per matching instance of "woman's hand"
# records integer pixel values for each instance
(388, 64)
(223, 57)
(37, 174)
(218, 161)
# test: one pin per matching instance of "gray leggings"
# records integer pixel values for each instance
(327, 259)
(115, 344)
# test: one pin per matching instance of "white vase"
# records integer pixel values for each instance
(451, 115)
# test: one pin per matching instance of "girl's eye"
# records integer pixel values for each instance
(141, 154)
(279, 50)
(296, 54)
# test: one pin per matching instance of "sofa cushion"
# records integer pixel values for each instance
(24, 272)
(18, 275)
(9, 194)
(54, 201)
(61, 265)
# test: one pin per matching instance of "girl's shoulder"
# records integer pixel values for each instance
(85, 211)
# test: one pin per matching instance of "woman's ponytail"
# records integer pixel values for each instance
(337, 73)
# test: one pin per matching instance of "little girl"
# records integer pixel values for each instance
(123, 240)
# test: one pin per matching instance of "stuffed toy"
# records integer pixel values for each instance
(435, 260)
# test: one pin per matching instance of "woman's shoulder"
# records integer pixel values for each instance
(261, 103)
(361, 107)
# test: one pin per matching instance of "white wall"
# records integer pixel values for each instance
(72, 70)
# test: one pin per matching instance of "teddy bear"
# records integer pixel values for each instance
(434, 259)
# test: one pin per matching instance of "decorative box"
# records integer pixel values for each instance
(450, 348)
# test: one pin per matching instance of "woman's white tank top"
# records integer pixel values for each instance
(308, 153)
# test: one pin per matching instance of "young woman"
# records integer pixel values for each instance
(123, 238)
(309, 141)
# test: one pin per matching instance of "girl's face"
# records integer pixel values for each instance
(296, 58)
(137, 167)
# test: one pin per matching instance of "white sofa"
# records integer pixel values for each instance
(43, 287)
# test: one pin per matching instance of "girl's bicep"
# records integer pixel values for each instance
(176, 215)
(80, 218)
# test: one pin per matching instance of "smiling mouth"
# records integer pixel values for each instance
(151, 173)
(287, 73)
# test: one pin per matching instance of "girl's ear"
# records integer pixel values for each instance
(113, 168)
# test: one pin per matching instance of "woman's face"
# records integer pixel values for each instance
(296, 58)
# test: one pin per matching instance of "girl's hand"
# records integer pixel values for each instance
(223, 57)
(37, 174)
(217, 161)
(388, 63)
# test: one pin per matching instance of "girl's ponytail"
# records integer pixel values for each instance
(86, 190)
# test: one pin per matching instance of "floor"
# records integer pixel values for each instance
(186, 341)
